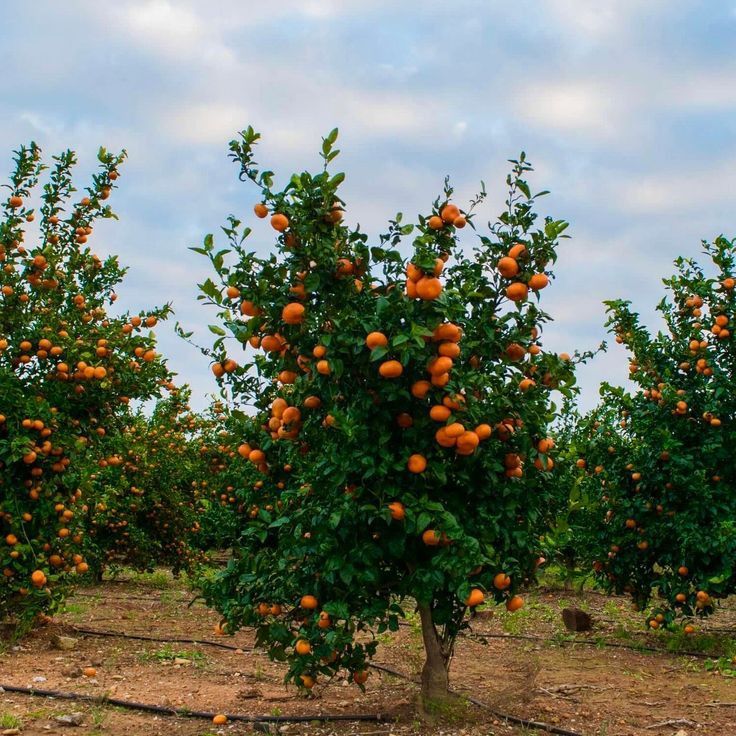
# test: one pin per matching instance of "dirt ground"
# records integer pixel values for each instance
(575, 682)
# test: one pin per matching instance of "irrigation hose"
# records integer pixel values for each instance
(184, 713)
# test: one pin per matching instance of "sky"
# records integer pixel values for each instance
(626, 108)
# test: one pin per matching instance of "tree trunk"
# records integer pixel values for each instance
(435, 673)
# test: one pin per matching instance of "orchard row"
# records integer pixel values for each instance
(389, 430)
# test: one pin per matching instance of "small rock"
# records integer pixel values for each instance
(249, 692)
(39, 678)
(576, 619)
(10, 732)
(118, 677)
(182, 660)
(73, 719)
(65, 643)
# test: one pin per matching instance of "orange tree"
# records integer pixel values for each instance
(68, 370)
(223, 474)
(146, 510)
(656, 462)
(396, 425)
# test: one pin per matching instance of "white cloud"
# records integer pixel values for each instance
(571, 107)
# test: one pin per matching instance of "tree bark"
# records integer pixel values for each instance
(435, 673)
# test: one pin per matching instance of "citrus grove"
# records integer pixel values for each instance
(657, 463)
(394, 425)
(391, 440)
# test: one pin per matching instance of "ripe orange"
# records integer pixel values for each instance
(220, 719)
(514, 603)
(390, 369)
(398, 513)
(508, 267)
(309, 602)
(501, 581)
(517, 292)
(538, 281)
(517, 251)
(476, 597)
(375, 340)
(38, 578)
(279, 222)
(449, 213)
(435, 223)
(483, 431)
(420, 389)
(261, 210)
(293, 314)
(323, 367)
(417, 463)
(303, 647)
(439, 413)
(429, 288)
(431, 538)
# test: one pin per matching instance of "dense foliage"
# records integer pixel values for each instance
(390, 418)
(657, 463)
(68, 370)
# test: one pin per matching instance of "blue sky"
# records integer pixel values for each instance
(627, 109)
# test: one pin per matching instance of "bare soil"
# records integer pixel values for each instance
(572, 681)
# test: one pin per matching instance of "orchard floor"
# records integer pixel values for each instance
(590, 689)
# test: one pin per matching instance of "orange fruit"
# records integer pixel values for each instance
(508, 267)
(417, 463)
(516, 251)
(38, 578)
(501, 581)
(390, 369)
(483, 431)
(517, 292)
(515, 351)
(309, 602)
(221, 719)
(293, 314)
(449, 213)
(398, 513)
(375, 340)
(279, 222)
(431, 538)
(435, 223)
(420, 389)
(447, 331)
(538, 281)
(261, 210)
(89, 671)
(303, 647)
(449, 349)
(476, 597)
(467, 442)
(323, 367)
(443, 439)
(439, 413)
(514, 603)
(429, 288)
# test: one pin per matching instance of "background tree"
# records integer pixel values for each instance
(658, 461)
(399, 419)
(146, 506)
(68, 370)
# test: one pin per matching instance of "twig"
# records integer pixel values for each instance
(674, 722)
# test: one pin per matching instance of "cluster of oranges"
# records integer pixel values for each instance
(509, 268)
